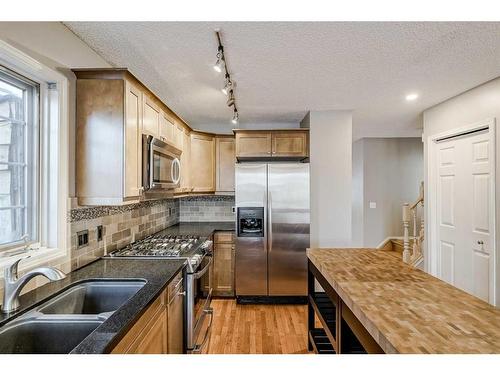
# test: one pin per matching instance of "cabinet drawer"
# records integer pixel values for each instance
(224, 237)
(175, 286)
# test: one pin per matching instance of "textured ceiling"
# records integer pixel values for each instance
(283, 70)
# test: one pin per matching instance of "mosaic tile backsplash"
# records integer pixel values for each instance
(208, 208)
(121, 226)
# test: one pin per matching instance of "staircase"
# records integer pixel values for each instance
(413, 216)
(410, 246)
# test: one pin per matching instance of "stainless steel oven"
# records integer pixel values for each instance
(199, 298)
(161, 169)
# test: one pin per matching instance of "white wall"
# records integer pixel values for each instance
(388, 172)
(55, 46)
(477, 104)
(331, 176)
(357, 193)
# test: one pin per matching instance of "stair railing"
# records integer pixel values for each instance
(412, 245)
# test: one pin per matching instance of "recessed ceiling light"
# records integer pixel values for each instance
(411, 97)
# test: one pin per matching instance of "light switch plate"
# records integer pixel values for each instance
(373, 204)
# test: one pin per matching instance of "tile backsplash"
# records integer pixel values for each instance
(207, 208)
(121, 226)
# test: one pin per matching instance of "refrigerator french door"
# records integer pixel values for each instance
(272, 201)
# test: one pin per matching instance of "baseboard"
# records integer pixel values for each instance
(271, 300)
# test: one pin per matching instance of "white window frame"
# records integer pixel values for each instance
(54, 158)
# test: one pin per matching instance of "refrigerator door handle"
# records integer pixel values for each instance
(270, 221)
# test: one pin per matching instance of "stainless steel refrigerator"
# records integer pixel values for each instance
(272, 230)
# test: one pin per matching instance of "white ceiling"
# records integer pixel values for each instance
(283, 70)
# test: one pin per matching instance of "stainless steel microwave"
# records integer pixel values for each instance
(161, 169)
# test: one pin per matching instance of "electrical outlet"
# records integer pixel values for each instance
(169, 211)
(233, 209)
(373, 204)
(82, 238)
(99, 232)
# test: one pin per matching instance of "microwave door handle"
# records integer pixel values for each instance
(175, 171)
(151, 165)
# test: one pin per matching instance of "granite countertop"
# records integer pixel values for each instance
(157, 273)
(405, 309)
(202, 229)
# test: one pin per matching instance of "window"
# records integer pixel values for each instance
(19, 159)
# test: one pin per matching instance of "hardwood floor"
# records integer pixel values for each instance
(258, 329)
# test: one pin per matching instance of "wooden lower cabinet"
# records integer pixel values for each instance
(154, 341)
(152, 334)
(224, 251)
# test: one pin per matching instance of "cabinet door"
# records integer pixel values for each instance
(253, 144)
(179, 136)
(175, 325)
(223, 269)
(154, 340)
(166, 130)
(202, 163)
(132, 153)
(290, 143)
(151, 117)
(225, 160)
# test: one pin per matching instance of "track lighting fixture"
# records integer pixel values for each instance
(229, 84)
(219, 64)
(235, 116)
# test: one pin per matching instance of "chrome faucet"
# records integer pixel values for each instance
(13, 285)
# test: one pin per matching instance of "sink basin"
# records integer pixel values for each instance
(45, 336)
(64, 321)
(92, 297)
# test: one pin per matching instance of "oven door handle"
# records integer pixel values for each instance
(199, 274)
(199, 347)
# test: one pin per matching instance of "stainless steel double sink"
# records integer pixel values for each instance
(65, 320)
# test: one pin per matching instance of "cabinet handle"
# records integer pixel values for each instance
(480, 242)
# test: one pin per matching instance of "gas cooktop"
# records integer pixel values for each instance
(190, 247)
(160, 245)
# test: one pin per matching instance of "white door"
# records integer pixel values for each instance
(465, 213)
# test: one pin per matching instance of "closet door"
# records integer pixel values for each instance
(465, 202)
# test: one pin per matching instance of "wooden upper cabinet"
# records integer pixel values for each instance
(290, 143)
(151, 117)
(166, 128)
(253, 144)
(133, 141)
(108, 141)
(202, 163)
(225, 160)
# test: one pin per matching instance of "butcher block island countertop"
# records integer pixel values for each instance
(404, 309)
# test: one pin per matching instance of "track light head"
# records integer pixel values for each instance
(235, 117)
(219, 64)
(230, 99)
(228, 86)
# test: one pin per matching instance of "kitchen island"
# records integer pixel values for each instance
(375, 303)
